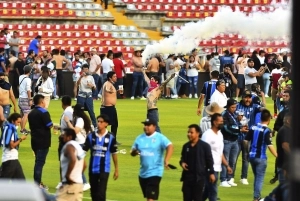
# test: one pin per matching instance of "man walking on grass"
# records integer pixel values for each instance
(260, 137)
(150, 147)
(72, 165)
(102, 144)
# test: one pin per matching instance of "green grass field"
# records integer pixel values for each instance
(175, 116)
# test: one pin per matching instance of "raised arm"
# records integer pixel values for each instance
(146, 77)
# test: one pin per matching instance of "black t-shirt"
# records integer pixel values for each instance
(191, 162)
(20, 66)
(40, 124)
(282, 136)
(5, 85)
(228, 83)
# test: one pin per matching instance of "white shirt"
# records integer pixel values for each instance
(248, 79)
(83, 84)
(47, 86)
(107, 65)
(25, 86)
(193, 71)
(76, 173)
(261, 59)
(7, 36)
(95, 61)
(219, 98)
(216, 144)
(80, 137)
(69, 113)
(205, 123)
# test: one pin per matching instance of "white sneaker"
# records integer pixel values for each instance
(190, 96)
(231, 182)
(266, 96)
(244, 181)
(174, 96)
(196, 96)
(58, 185)
(132, 98)
(224, 184)
(143, 98)
(86, 186)
(75, 99)
(99, 96)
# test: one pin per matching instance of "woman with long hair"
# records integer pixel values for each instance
(192, 67)
(10, 141)
(81, 123)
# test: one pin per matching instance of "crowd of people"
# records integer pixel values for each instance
(227, 128)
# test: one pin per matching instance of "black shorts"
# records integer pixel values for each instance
(12, 169)
(111, 112)
(241, 81)
(150, 187)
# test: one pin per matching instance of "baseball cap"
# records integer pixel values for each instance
(149, 121)
(246, 93)
(231, 102)
(285, 75)
(78, 106)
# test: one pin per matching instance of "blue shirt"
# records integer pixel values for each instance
(151, 150)
(260, 138)
(2, 59)
(208, 89)
(33, 46)
(249, 111)
(101, 149)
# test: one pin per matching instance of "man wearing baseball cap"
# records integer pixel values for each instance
(249, 109)
(251, 74)
(150, 147)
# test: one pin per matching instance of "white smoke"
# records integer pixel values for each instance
(257, 25)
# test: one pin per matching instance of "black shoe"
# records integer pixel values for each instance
(272, 181)
(218, 198)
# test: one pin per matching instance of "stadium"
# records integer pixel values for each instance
(153, 27)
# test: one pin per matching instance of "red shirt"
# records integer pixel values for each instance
(276, 74)
(119, 66)
(152, 86)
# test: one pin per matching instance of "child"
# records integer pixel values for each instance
(260, 137)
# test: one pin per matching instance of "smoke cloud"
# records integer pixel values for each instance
(255, 26)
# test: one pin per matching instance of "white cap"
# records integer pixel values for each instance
(50, 66)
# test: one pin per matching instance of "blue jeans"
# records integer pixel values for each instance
(89, 105)
(281, 177)
(259, 167)
(193, 84)
(138, 79)
(267, 82)
(6, 111)
(102, 79)
(230, 152)
(211, 189)
(54, 86)
(245, 159)
(153, 114)
(6, 53)
(83, 176)
(96, 90)
(40, 160)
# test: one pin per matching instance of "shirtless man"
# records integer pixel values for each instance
(6, 94)
(153, 67)
(109, 100)
(137, 74)
(154, 91)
